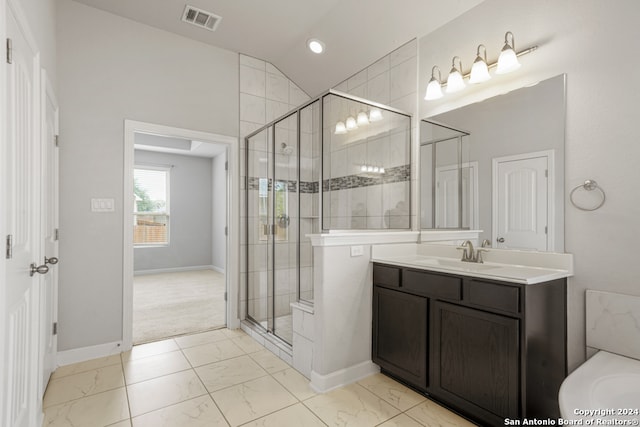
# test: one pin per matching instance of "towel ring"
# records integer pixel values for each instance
(588, 185)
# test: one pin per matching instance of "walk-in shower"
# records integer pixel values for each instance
(335, 163)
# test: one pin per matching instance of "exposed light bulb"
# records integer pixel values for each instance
(369, 168)
(381, 170)
(363, 168)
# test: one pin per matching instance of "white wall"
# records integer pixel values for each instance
(591, 41)
(190, 210)
(219, 212)
(41, 15)
(111, 69)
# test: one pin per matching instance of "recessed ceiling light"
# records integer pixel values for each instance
(315, 45)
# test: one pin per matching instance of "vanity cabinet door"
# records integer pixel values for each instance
(400, 335)
(474, 361)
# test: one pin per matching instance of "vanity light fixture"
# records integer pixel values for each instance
(507, 62)
(371, 169)
(508, 59)
(480, 69)
(340, 128)
(315, 46)
(434, 88)
(351, 123)
(455, 82)
(375, 115)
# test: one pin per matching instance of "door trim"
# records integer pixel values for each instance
(233, 219)
(551, 193)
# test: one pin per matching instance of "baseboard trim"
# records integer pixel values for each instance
(324, 383)
(175, 270)
(83, 354)
(218, 269)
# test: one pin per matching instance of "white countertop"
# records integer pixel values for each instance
(506, 265)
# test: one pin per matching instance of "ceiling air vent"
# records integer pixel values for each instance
(201, 18)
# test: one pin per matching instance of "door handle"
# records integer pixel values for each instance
(40, 269)
(500, 239)
(53, 260)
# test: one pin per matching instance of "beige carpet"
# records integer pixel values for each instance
(170, 304)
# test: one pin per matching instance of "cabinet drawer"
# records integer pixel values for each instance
(492, 295)
(386, 276)
(432, 285)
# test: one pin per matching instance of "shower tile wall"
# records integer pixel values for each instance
(393, 81)
(265, 94)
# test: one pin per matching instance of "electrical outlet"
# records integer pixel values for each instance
(357, 251)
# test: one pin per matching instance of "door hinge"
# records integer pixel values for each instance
(226, 231)
(546, 230)
(55, 328)
(9, 51)
(56, 234)
(56, 140)
(226, 166)
(9, 251)
(546, 173)
(225, 296)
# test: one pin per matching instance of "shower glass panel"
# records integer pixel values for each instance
(259, 250)
(366, 166)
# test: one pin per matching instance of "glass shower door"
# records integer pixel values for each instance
(286, 223)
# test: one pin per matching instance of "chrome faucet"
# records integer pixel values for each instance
(471, 255)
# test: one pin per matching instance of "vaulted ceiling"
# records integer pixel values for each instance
(356, 32)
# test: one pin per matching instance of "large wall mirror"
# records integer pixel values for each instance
(498, 166)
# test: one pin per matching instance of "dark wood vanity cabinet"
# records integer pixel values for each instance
(490, 350)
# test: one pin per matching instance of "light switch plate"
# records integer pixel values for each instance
(102, 205)
(357, 251)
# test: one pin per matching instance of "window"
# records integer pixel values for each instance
(151, 206)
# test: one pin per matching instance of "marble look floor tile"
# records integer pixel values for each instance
(89, 365)
(150, 349)
(401, 420)
(226, 373)
(253, 399)
(296, 383)
(154, 366)
(247, 344)
(193, 340)
(392, 392)
(294, 416)
(430, 413)
(351, 405)
(75, 386)
(159, 392)
(98, 410)
(212, 352)
(198, 412)
(269, 361)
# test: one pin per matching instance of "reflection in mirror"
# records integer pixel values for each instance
(443, 151)
(516, 163)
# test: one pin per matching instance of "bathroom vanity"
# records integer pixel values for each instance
(490, 349)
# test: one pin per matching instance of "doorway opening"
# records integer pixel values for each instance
(176, 232)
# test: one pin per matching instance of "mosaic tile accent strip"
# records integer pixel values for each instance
(391, 175)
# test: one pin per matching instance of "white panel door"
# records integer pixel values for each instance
(522, 203)
(49, 227)
(22, 209)
(447, 200)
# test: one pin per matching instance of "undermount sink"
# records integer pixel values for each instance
(454, 264)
